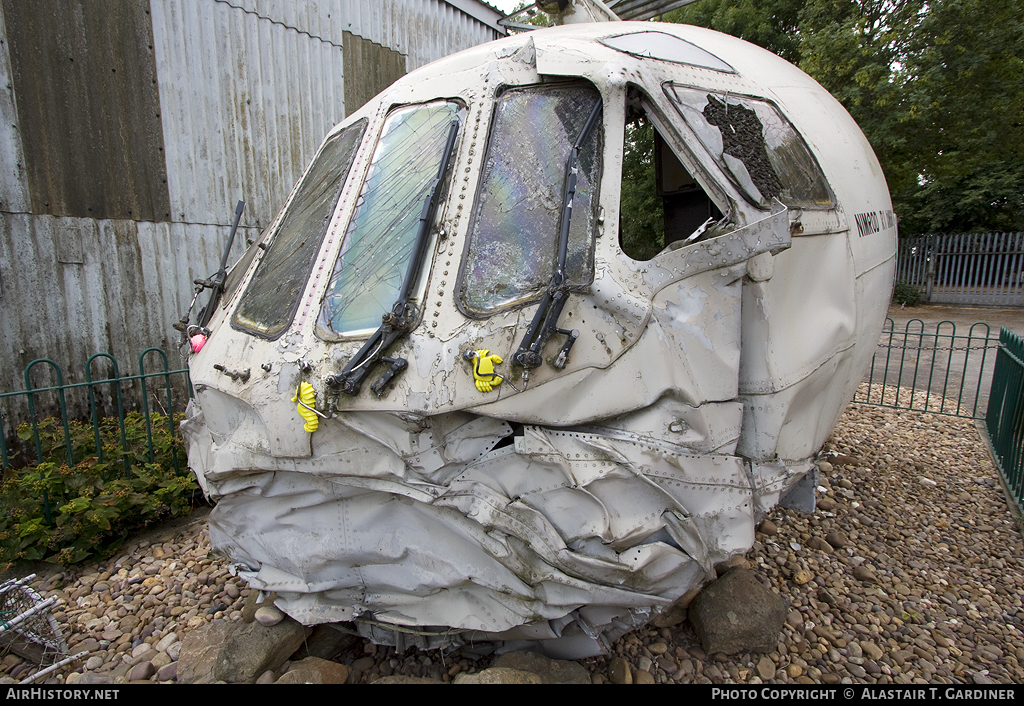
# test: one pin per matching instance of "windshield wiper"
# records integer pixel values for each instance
(402, 318)
(545, 321)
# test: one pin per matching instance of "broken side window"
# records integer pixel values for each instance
(272, 297)
(660, 202)
(514, 234)
(371, 268)
(755, 145)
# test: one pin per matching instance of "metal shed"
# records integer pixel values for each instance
(131, 127)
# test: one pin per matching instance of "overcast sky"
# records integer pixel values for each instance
(505, 6)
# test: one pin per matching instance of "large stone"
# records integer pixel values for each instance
(254, 648)
(550, 671)
(199, 651)
(499, 675)
(737, 613)
(403, 679)
(313, 670)
(619, 671)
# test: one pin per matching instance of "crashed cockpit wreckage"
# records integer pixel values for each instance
(446, 399)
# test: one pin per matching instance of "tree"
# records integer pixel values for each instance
(772, 24)
(937, 88)
(965, 90)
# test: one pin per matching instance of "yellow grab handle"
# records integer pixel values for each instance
(306, 397)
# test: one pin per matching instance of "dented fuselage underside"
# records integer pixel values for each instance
(668, 404)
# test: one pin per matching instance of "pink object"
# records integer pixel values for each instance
(197, 341)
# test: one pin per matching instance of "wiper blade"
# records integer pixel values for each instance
(545, 321)
(396, 323)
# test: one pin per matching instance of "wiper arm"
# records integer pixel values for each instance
(400, 320)
(545, 321)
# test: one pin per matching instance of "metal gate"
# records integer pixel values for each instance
(983, 269)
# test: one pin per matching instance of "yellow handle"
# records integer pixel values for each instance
(306, 397)
(483, 370)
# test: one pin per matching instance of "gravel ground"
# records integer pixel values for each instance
(911, 570)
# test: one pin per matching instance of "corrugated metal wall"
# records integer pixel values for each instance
(247, 90)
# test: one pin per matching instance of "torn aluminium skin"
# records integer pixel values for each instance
(520, 432)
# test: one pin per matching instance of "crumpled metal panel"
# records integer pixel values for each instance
(562, 503)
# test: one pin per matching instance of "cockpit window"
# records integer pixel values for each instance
(514, 235)
(369, 274)
(666, 47)
(756, 146)
(272, 297)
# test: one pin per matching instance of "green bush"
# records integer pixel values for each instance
(907, 294)
(93, 504)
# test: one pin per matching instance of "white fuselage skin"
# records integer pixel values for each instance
(702, 386)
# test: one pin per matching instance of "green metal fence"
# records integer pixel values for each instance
(106, 398)
(931, 368)
(1005, 418)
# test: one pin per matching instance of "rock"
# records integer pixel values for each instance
(802, 576)
(732, 562)
(402, 679)
(836, 539)
(864, 574)
(143, 653)
(141, 671)
(550, 671)
(199, 650)
(94, 679)
(166, 641)
(268, 615)
(169, 672)
(737, 613)
(827, 504)
(820, 544)
(254, 648)
(766, 667)
(313, 670)
(499, 675)
(825, 467)
(643, 677)
(251, 606)
(619, 671)
(927, 482)
(768, 527)
(872, 650)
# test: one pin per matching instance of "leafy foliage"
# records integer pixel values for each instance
(907, 294)
(643, 220)
(937, 88)
(93, 505)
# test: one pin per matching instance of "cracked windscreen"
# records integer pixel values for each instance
(270, 300)
(753, 143)
(374, 260)
(513, 243)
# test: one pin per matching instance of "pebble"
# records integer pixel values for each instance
(921, 584)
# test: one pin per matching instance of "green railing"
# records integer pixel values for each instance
(118, 391)
(931, 368)
(1005, 418)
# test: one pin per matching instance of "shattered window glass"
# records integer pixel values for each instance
(756, 146)
(513, 246)
(272, 297)
(374, 260)
(666, 47)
